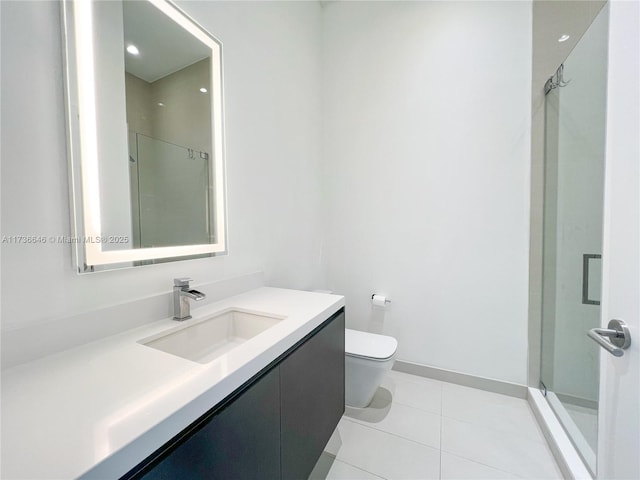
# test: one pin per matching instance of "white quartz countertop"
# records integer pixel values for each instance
(97, 410)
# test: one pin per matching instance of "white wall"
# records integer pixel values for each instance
(426, 169)
(272, 71)
(424, 180)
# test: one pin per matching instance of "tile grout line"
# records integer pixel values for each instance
(418, 408)
(360, 468)
(389, 433)
(496, 430)
(365, 424)
(539, 440)
(473, 460)
(443, 385)
(442, 417)
(500, 469)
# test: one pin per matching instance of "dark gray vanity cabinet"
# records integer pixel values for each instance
(312, 399)
(273, 427)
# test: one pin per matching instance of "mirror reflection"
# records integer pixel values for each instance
(167, 82)
(144, 91)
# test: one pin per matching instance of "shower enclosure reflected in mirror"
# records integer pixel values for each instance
(144, 101)
(575, 115)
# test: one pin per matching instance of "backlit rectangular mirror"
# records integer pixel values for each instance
(145, 113)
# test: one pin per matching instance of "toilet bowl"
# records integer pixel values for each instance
(368, 356)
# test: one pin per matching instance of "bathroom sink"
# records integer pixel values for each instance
(204, 340)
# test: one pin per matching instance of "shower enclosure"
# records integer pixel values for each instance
(575, 113)
(170, 197)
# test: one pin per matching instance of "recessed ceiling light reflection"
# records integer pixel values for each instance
(160, 104)
(564, 38)
(203, 90)
(133, 50)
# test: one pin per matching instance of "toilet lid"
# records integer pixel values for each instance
(370, 345)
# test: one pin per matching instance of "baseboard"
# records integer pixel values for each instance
(579, 401)
(481, 383)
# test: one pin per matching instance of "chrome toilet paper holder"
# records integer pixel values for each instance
(386, 300)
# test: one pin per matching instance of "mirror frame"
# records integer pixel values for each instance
(83, 144)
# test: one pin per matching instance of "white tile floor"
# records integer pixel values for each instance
(418, 428)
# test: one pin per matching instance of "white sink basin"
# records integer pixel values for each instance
(204, 340)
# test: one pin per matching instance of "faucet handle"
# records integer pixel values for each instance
(182, 281)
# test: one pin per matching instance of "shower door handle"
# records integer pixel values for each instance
(618, 335)
(586, 262)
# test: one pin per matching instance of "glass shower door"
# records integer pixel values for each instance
(573, 215)
(170, 193)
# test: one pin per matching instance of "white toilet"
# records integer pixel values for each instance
(368, 356)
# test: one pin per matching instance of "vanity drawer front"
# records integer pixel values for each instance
(240, 441)
(312, 396)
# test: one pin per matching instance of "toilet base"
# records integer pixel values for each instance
(362, 379)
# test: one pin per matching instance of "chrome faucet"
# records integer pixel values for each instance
(181, 295)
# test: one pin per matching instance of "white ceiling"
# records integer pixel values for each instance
(164, 46)
(551, 20)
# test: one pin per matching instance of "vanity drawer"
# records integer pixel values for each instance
(241, 440)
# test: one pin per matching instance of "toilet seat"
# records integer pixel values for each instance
(370, 346)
